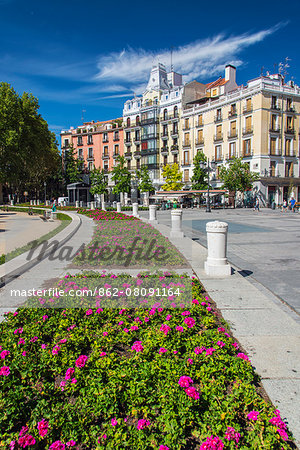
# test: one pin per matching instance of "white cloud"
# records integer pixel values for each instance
(197, 59)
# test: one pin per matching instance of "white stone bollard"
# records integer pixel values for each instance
(119, 207)
(37, 202)
(135, 209)
(47, 203)
(104, 206)
(216, 264)
(176, 223)
(152, 214)
(92, 205)
(81, 204)
(11, 203)
(77, 204)
(34, 202)
(31, 202)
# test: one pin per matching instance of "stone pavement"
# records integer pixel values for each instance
(18, 228)
(267, 329)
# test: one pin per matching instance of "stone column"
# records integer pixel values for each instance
(31, 202)
(135, 209)
(77, 204)
(152, 214)
(119, 207)
(80, 203)
(92, 205)
(11, 203)
(176, 224)
(104, 206)
(216, 264)
(37, 202)
(34, 202)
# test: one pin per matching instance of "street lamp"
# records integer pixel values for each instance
(45, 185)
(208, 166)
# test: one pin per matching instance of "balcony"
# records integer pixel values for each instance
(128, 155)
(248, 109)
(247, 153)
(218, 118)
(187, 162)
(79, 143)
(231, 156)
(199, 124)
(153, 166)
(274, 129)
(174, 117)
(274, 107)
(165, 118)
(106, 170)
(200, 141)
(290, 130)
(105, 156)
(274, 152)
(174, 133)
(149, 121)
(186, 128)
(149, 136)
(164, 150)
(232, 134)
(247, 130)
(128, 142)
(218, 137)
(116, 154)
(89, 142)
(290, 153)
(290, 109)
(218, 157)
(164, 135)
(116, 138)
(186, 144)
(137, 154)
(105, 139)
(174, 149)
(232, 114)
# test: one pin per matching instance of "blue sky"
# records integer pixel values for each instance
(76, 55)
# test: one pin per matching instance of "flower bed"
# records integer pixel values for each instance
(130, 379)
(99, 214)
(120, 243)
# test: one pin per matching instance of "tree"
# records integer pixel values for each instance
(173, 178)
(144, 183)
(99, 182)
(199, 178)
(121, 176)
(237, 177)
(73, 167)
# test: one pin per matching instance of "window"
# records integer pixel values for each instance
(219, 114)
(165, 130)
(232, 149)
(80, 153)
(105, 152)
(91, 166)
(176, 110)
(175, 128)
(232, 109)
(116, 135)
(200, 139)
(249, 104)
(219, 131)
(233, 129)
(105, 137)
(248, 123)
(272, 168)
(90, 139)
(66, 143)
(128, 121)
(129, 164)
(200, 120)
(289, 169)
(165, 114)
(247, 147)
(289, 104)
(137, 120)
(214, 92)
(289, 123)
(273, 146)
(218, 152)
(138, 164)
(137, 135)
(186, 158)
(273, 122)
(116, 151)
(186, 124)
(274, 102)
(90, 152)
(79, 140)
(186, 175)
(127, 136)
(175, 159)
(187, 139)
(288, 147)
(165, 160)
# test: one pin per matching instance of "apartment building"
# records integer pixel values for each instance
(258, 122)
(97, 144)
(152, 122)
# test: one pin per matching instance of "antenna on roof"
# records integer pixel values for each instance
(172, 48)
(262, 71)
(82, 117)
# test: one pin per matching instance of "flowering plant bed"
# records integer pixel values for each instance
(99, 214)
(130, 243)
(110, 378)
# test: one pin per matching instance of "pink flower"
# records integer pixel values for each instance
(163, 447)
(23, 431)
(212, 443)
(192, 392)
(71, 443)
(220, 344)
(189, 321)
(12, 445)
(180, 329)
(162, 350)
(114, 422)
(45, 317)
(18, 330)
(26, 441)
(209, 351)
(283, 434)
(74, 381)
(142, 423)
(55, 350)
(5, 371)
(165, 329)
(43, 426)
(185, 381)
(195, 301)
(168, 317)
(21, 341)
(23, 353)
(185, 313)
(190, 361)
(199, 350)
(105, 333)
(137, 346)
(4, 353)
(277, 421)
(62, 341)
(243, 356)
(233, 435)
(69, 373)
(208, 308)
(89, 312)
(35, 338)
(134, 327)
(80, 362)
(57, 445)
(44, 346)
(253, 415)
(102, 354)
(102, 437)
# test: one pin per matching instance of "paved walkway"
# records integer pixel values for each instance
(267, 329)
(17, 229)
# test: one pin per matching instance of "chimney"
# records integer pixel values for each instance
(230, 72)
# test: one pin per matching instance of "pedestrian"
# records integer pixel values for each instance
(284, 205)
(256, 205)
(292, 204)
(54, 205)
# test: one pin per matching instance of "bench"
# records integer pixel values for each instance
(45, 216)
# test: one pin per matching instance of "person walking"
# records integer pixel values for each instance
(284, 206)
(256, 204)
(292, 204)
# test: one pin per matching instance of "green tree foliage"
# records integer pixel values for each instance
(173, 178)
(121, 176)
(73, 167)
(28, 150)
(144, 181)
(98, 181)
(199, 178)
(237, 177)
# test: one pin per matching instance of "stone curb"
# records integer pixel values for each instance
(18, 265)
